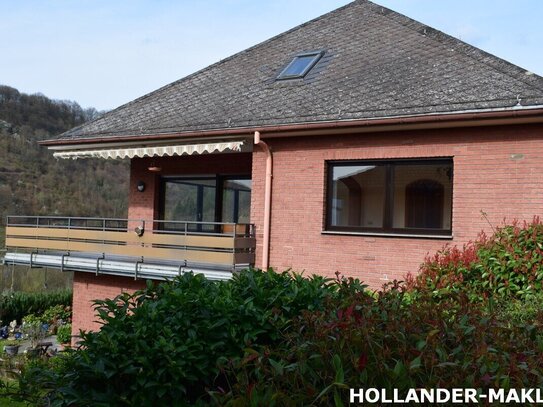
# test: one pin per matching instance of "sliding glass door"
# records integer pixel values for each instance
(204, 199)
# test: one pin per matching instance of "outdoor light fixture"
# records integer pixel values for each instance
(141, 186)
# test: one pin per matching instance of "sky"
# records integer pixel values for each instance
(104, 53)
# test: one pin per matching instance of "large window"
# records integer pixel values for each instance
(390, 196)
(205, 199)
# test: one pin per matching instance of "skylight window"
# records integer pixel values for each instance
(300, 65)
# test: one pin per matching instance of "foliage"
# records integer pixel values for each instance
(521, 311)
(57, 313)
(507, 264)
(166, 343)
(32, 181)
(64, 333)
(384, 343)
(34, 329)
(17, 305)
(41, 113)
(8, 394)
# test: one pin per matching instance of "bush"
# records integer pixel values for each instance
(509, 264)
(57, 313)
(34, 329)
(382, 343)
(64, 333)
(167, 342)
(16, 305)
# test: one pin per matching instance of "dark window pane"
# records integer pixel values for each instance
(236, 202)
(358, 196)
(189, 200)
(422, 196)
(299, 66)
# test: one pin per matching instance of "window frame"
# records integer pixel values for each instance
(317, 55)
(387, 229)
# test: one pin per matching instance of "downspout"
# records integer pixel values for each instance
(267, 201)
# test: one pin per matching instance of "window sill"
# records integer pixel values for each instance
(377, 234)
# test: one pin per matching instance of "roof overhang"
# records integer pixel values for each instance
(468, 118)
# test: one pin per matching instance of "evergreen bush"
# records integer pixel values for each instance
(15, 306)
(508, 264)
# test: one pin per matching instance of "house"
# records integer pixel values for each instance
(357, 142)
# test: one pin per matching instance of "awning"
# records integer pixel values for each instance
(152, 151)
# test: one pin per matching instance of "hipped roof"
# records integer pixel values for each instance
(377, 64)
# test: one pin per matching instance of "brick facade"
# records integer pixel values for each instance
(88, 287)
(497, 170)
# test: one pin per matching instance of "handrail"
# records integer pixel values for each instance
(225, 243)
(70, 223)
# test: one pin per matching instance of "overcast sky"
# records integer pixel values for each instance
(104, 53)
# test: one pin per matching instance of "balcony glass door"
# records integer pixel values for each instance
(190, 200)
(236, 200)
(205, 199)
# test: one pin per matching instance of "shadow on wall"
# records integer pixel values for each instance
(20, 278)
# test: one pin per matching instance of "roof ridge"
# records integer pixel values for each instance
(222, 61)
(471, 51)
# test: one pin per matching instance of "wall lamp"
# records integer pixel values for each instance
(141, 186)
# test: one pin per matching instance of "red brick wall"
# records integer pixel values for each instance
(89, 287)
(486, 178)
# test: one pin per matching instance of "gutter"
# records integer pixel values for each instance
(455, 119)
(267, 201)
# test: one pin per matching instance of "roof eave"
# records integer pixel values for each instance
(468, 118)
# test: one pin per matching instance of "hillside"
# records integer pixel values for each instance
(32, 182)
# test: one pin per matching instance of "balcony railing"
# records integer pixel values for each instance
(137, 248)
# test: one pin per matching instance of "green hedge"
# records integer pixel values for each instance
(167, 343)
(507, 264)
(19, 304)
(387, 344)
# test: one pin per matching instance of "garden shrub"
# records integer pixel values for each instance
(64, 333)
(521, 311)
(15, 306)
(165, 344)
(382, 343)
(508, 264)
(57, 314)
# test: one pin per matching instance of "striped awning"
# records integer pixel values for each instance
(152, 151)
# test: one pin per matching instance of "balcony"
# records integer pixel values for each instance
(139, 249)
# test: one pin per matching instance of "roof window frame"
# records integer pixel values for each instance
(317, 55)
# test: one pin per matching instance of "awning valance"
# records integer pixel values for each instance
(152, 151)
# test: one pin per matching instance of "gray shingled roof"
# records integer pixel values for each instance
(378, 63)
